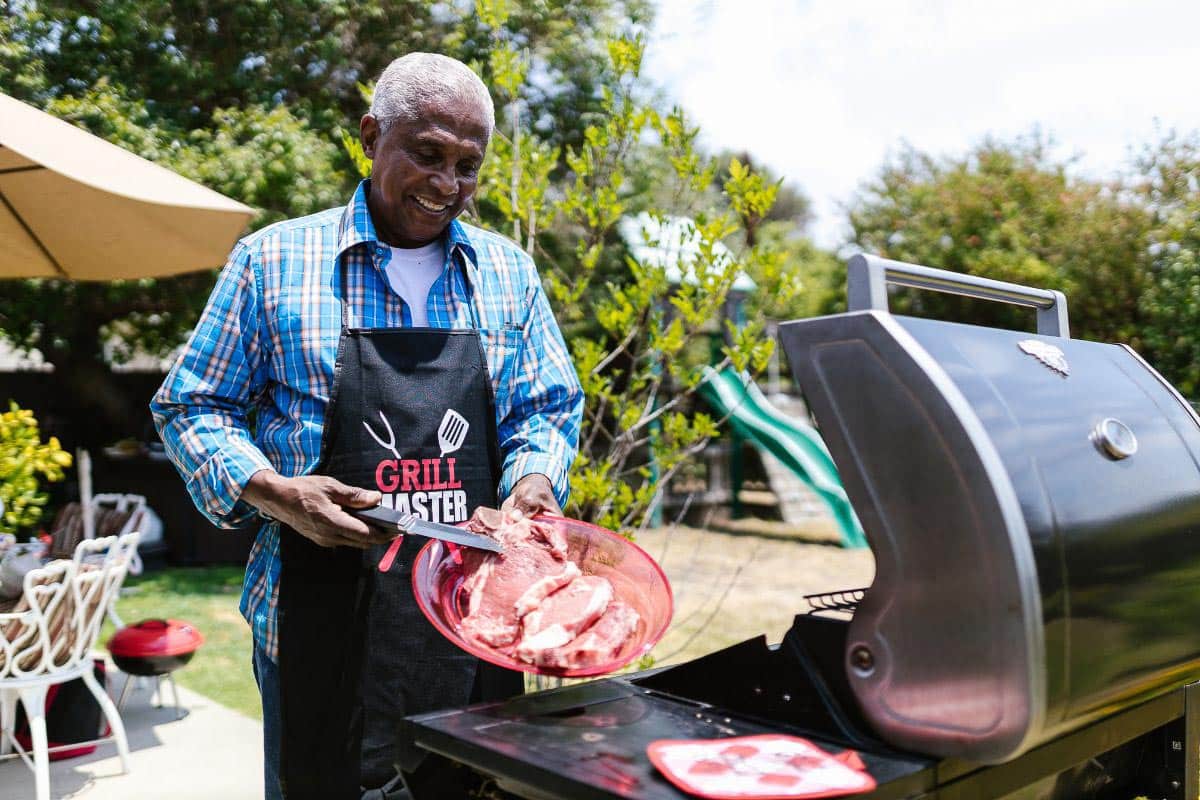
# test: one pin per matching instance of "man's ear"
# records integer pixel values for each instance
(368, 134)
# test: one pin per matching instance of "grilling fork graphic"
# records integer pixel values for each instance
(390, 444)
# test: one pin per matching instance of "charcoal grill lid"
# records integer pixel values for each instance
(155, 637)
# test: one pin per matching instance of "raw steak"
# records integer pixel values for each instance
(535, 594)
(532, 604)
(563, 616)
(534, 558)
(597, 644)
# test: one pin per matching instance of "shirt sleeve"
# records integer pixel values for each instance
(200, 410)
(540, 434)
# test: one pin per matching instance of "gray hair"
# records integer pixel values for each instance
(412, 81)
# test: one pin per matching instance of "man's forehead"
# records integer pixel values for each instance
(446, 132)
(453, 117)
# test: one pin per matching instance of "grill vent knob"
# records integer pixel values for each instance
(1114, 439)
(862, 660)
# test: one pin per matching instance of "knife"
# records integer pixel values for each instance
(400, 522)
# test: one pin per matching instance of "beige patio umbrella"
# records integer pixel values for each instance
(74, 206)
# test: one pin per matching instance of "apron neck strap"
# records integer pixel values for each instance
(460, 258)
(342, 297)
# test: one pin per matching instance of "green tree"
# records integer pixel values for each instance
(1010, 211)
(21, 70)
(1170, 186)
(639, 343)
(190, 58)
(792, 207)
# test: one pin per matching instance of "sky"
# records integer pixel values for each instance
(823, 90)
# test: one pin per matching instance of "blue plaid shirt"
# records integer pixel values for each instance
(268, 339)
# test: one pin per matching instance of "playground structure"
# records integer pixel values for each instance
(799, 467)
(791, 440)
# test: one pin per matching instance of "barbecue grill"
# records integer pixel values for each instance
(1033, 629)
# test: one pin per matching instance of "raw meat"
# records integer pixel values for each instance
(597, 644)
(535, 594)
(532, 604)
(497, 583)
(563, 616)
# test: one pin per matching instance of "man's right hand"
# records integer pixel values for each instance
(312, 505)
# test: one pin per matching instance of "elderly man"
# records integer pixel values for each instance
(381, 351)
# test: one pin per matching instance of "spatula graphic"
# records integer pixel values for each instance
(452, 432)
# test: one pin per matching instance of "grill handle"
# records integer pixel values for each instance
(867, 278)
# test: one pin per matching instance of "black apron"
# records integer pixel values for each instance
(411, 414)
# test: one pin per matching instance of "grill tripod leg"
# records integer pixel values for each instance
(175, 695)
(125, 691)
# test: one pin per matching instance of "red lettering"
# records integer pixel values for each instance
(451, 483)
(385, 476)
(410, 477)
(425, 462)
(437, 475)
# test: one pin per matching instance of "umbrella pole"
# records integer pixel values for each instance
(84, 461)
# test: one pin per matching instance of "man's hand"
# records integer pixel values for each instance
(312, 505)
(533, 494)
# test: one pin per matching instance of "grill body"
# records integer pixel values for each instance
(1030, 573)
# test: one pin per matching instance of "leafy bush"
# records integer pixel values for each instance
(23, 457)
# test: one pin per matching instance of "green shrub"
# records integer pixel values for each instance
(23, 457)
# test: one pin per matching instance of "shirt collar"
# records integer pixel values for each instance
(357, 228)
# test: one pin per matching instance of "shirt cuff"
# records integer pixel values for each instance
(522, 464)
(219, 482)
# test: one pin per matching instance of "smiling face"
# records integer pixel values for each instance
(425, 170)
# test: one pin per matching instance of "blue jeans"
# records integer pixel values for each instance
(266, 673)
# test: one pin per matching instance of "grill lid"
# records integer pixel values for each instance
(155, 637)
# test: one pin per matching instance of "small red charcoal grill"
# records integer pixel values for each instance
(154, 648)
(1033, 505)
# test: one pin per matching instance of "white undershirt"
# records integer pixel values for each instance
(412, 272)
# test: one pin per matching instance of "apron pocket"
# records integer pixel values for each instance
(500, 346)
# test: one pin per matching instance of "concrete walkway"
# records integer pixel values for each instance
(211, 754)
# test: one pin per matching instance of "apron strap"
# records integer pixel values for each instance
(343, 299)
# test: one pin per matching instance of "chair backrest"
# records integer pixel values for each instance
(112, 515)
(57, 621)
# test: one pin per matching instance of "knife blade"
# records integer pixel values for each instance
(400, 522)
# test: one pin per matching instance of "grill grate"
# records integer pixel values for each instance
(843, 601)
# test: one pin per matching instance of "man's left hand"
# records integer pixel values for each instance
(532, 495)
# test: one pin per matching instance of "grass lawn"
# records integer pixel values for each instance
(207, 597)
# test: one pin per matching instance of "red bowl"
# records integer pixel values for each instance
(636, 579)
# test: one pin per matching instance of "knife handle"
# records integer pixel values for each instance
(385, 563)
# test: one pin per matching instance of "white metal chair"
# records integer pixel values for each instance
(47, 639)
(135, 506)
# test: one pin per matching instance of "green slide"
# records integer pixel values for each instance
(794, 442)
